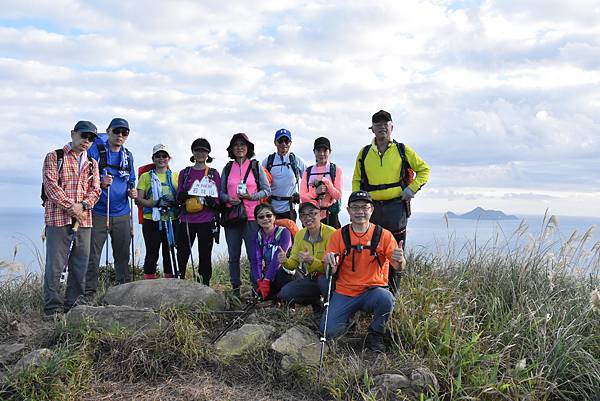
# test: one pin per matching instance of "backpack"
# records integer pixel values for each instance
(142, 170)
(359, 248)
(336, 206)
(407, 174)
(103, 159)
(254, 166)
(60, 156)
(292, 163)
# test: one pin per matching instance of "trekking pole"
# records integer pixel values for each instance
(324, 336)
(187, 229)
(240, 318)
(65, 273)
(132, 235)
(171, 241)
(106, 278)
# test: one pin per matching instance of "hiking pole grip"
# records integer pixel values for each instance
(65, 273)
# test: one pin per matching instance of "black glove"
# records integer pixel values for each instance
(165, 202)
(296, 198)
(211, 202)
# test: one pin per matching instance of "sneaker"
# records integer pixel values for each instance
(374, 342)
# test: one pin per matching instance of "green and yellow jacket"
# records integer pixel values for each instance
(317, 249)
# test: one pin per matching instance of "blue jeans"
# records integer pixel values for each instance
(306, 291)
(376, 300)
(234, 236)
(58, 240)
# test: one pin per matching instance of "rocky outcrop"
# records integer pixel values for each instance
(109, 317)
(298, 345)
(412, 383)
(34, 358)
(10, 352)
(245, 338)
(160, 293)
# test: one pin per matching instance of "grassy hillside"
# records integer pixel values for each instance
(514, 318)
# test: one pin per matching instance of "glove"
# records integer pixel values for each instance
(165, 202)
(407, 194)
(264, 287)
(211, 202)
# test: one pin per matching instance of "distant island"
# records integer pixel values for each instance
(481, 214)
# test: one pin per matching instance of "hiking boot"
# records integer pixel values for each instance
(374, 342)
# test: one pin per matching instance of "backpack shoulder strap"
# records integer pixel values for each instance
(294, 165)
(364, 181)
(270, 161)
(254, 166)
(375, 239)
(226, 171)
(346, 239)
(103, 158)
(186, 175)
(308, 171)
(332, 172)
(404, 174)
(60, 158)
(211, 173)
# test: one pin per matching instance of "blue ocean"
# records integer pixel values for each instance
(22, 249)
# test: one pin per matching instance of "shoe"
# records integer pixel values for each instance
(374, 342)
(317, 307)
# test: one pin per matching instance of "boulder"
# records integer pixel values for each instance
(108, 317)
(298, 345)
(164, 293)
(247, 337)
(8, 352)
(412, 383)
(34, 358)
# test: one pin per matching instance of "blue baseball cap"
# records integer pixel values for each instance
(85, 126)
(283, 132)
(118, 123)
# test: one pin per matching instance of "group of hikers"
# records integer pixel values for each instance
(89, 187)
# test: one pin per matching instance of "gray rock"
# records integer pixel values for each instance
(8, 352)
(247, 337)
(164, 293)
(34, 358)
(108, 317)
(298, 345)
(412, 383)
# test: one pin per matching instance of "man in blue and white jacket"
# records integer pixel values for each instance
(117, 180)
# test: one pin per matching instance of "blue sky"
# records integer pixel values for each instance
(502, 99)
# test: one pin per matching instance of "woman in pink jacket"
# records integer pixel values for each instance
(322, 184)
(243, 181)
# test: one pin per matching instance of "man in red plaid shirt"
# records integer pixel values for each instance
(72, 187)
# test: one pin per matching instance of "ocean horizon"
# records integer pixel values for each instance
(22, 250)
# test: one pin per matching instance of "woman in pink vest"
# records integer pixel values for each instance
(243, 181)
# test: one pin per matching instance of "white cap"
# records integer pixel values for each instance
(160, 148)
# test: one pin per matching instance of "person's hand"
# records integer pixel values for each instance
(398, 253)
(245, 195)
(132, 193)
(234, 201)
(106, 181)
(321, 189)
(407, 194)
(165, 202)
(281, 256)
(263, 288)
(331, 259)
(211, 202)
(306, 257)
(75, 210)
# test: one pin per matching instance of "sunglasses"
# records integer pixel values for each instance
(200, 150)
(161, 155)
(89, 136)
(283, 140)
(121, 131)
(264, 216)
(309, 215)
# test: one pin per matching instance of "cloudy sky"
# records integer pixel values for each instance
(501, 98)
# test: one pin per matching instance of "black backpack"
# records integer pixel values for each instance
(406, 172)
(60, 156)
(292, 163)
(335, 207)
(254, 166)
(359, 248)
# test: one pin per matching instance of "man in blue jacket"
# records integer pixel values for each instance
(117, 180)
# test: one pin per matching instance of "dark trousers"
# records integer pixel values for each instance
(392, 216)
(290, 214)
(332, 220)
(155, 237)
(203, 231)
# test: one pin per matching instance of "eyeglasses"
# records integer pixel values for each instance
(161, 155)
(89, 136)
(365, 208)
(264, 216)
(121, 131)
(309, 215)
(382, 125)
(284, 140)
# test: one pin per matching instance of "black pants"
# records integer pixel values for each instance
(290, 214)
(332, 220)
(154, 239)
(392, 216)
(202, 231)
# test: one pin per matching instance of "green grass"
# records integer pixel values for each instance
(503, 320)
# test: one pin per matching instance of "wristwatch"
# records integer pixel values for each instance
(85, 205)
